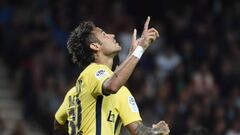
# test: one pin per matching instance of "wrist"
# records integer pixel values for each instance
(138, 52)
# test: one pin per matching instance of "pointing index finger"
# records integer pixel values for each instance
(134, 34)
(146, 23)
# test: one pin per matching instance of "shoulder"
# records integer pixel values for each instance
(94, 67)
(97, 70)
(71, 92)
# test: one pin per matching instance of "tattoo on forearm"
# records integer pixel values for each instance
(115, 75)
(143, 130)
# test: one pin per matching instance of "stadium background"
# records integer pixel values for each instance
(190, 77)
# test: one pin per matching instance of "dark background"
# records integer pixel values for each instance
(189, 77)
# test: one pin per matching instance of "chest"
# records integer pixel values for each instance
(109, 109)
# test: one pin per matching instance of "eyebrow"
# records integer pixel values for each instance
(100, 29)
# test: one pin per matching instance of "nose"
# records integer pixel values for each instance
(112, 35)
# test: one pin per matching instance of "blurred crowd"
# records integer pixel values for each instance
(189, 77)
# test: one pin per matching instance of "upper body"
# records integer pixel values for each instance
(89, 44)
(97, 113)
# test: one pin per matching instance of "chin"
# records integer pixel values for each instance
(120, 48)
(117, 51)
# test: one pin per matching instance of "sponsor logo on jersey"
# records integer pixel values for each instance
(111, 116)
(132, 104)
(101, 74)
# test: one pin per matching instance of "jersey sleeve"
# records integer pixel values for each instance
(61, 114)
(127, 107)
(96, 79)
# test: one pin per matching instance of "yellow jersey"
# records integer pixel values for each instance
(89, 112)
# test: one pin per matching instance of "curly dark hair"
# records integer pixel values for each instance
(78, 44)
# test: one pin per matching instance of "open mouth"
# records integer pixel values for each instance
(115, 42)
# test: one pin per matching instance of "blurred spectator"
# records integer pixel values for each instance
(198, 131)
(3, 128)
(19, 129)
(203, 81)
(235, 128)
(189, 77)
(167, 62)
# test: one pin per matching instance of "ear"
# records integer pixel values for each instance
(95, 46)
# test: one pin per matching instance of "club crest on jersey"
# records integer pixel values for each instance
(132, 104)
(101, 74)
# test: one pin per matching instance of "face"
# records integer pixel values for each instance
(109, 45)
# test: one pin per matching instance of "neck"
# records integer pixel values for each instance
(104, 60)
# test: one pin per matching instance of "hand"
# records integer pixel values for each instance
(148, 35)
(134, 42)
(162, 126)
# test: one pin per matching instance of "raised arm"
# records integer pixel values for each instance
(123, 72)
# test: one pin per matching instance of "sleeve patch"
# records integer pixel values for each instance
(101, 74)
(132, 104)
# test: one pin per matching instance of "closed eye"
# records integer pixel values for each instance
(104, 34)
